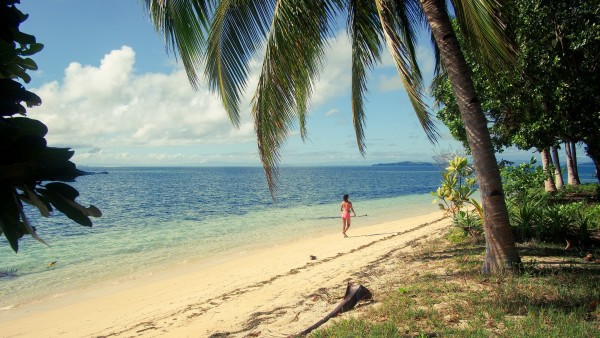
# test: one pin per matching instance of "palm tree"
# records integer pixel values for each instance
(222, 36)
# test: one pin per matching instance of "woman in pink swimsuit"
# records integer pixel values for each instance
(345, 208)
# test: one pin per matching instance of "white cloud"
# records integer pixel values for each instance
(109, 158)
(390, 80)
(335, 80)
(332, 112)
(110, 106)
(389, 83)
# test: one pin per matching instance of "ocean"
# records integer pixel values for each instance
(160, 218)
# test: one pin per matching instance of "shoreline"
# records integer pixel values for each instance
(112, 256)
(224, 294)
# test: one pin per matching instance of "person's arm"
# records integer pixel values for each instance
(352, 208)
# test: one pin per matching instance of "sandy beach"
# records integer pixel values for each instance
(269, 292)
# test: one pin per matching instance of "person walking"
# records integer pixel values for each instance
(345, 208)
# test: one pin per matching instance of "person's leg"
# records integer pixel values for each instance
(344, 226)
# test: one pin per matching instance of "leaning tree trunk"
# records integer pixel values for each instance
(572, 176)
(548, 172)
(557, 170)
(501, 254)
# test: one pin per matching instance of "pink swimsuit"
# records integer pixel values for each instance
(346, 210)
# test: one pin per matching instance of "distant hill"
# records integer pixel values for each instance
(404, 163)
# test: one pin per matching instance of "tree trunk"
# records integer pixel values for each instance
(575, 165)
(548, 172)
(558, 171)
(501, 254)
(572, 177)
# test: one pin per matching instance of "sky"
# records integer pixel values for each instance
(112, 92)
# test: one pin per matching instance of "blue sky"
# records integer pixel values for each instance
(112, 93)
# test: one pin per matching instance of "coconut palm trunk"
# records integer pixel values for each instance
(549, 185)
(500, 254)
(557, 170)
(572, 176)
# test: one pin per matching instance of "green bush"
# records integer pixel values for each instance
(469, 221)
(455, 196)
(570, 214)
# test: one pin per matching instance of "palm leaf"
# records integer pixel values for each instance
(398, 21)
(483, 27)
(184, 24)
(293, 58)
(237, 31)
(365, 33)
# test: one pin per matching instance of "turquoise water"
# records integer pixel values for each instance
(157, 218)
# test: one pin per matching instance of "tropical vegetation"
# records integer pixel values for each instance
(570, 216)
(550, 98)
(31, 172)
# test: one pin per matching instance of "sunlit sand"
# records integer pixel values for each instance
(272, 291)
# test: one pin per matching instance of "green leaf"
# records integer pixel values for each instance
(9, 217)
(27, 126)
(63, 189)
(70, 194)
(20, 173)
(33, 49)
(22, 149)
(30, 230)
(28, 63)
(64, 205)
(32, 198)
(23, 38)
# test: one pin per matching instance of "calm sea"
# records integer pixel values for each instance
(156, 218)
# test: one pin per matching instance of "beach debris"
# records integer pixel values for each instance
(354, 294)
(52, 264)
(313, 257)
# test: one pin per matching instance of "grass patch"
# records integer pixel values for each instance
(558, 295)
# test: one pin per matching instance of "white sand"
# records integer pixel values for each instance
(271, 292)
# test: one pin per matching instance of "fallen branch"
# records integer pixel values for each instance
(354, 294)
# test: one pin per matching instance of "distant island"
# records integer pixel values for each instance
(404, 163)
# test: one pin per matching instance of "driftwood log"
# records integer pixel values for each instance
(354, 294)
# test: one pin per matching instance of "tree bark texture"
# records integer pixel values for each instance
(575, 164)
(548, 172)
(500, 254)
(572, 177)
(557, 170)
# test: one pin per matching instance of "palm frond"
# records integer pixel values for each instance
(439, 65)
(238, 29)
(183, 23)
(482, 25)
(293, 59)
(398, 20)
(365, 33)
